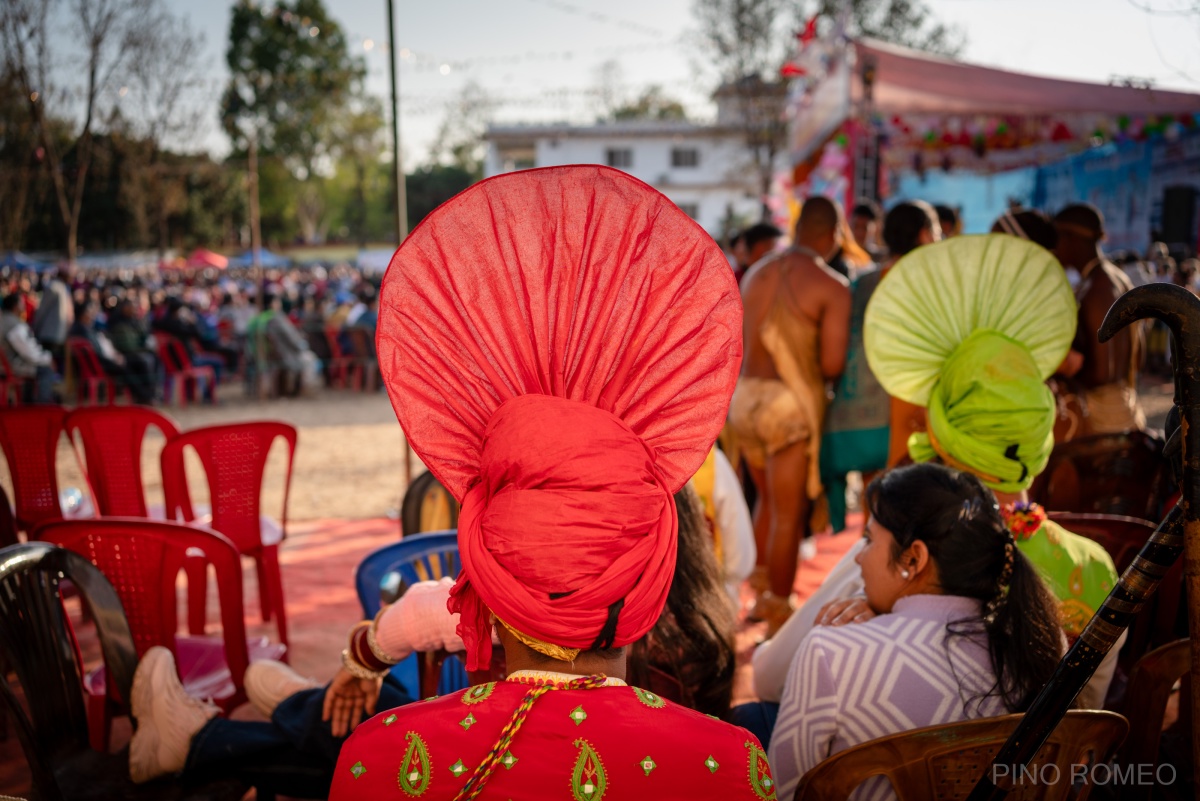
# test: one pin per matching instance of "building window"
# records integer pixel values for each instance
(523, 164)
(690, 209)
(685, 157)
(620, 157)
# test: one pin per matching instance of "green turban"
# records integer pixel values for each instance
(990, 413)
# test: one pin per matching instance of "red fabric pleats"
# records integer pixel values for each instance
(560, 346)
(570, 516)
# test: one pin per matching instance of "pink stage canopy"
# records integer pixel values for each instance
(202, 257)
(908, 81)
(933, 111)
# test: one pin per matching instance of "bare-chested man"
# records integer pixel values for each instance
(795, 333)
(1105, 373)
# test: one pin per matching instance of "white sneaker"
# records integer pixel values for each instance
(268, 683)
(167, 718)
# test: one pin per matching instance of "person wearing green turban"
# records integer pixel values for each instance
(979, 368)
(969, 330)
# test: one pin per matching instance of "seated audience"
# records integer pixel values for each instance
(25, 356)
(275, 342)
(956, 625)
(134, 374)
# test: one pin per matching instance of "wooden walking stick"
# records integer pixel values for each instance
(1180, 310)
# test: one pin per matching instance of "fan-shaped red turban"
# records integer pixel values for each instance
(560, 346)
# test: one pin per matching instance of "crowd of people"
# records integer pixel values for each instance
(232, 321)
(566, 383)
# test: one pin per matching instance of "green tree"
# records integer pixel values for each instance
(291, 79)
(432, 186)
(19, 163)
(747, 41)
(67, 60)
(909, 23)
(651, 104)
(359, 141)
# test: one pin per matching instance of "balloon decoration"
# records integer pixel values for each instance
(994, 142)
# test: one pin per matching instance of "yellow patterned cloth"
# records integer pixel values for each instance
(1077, 570)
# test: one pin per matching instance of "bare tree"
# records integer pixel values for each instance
(459, 139)
(106, 32)
(745, 43)
(165, 79)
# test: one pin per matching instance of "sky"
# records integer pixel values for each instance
(538, 59)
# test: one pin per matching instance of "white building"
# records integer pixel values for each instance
(706, 170)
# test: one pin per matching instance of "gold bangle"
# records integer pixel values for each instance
(358, 671)
(378, 652)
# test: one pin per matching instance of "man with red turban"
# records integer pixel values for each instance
(560, 347)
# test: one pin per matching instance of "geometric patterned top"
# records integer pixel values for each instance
(895, 672)
(608, 742)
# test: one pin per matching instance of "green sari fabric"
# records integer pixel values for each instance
(1077, 570)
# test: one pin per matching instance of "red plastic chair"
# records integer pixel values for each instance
(11, 384)
(90, 374)
(343, 368)
(178, 366)
(364, 353)
(29, 437)
(112, 440)
(142, 559)
(234, 458)
(8, 532)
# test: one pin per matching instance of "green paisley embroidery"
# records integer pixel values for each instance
(711, 764)
(647, 764)
(358, 769)
(415, 770)
(389, 720)
(468, 721)
(478, 694)
(588, 780)
(760, 772)
(578, 715)
(648, 698)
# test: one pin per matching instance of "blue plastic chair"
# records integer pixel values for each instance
(386, 572)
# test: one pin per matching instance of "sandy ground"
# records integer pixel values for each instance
(349, 454)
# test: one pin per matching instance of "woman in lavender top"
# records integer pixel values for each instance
(959, 626)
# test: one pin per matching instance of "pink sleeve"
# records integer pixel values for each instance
(419, 621)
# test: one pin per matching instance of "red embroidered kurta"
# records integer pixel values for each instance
(617, 743)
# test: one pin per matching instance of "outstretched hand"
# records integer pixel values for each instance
(848, 610)
(348, 700)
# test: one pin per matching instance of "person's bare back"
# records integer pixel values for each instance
(808, 289)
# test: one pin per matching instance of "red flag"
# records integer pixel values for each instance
(810, 30)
